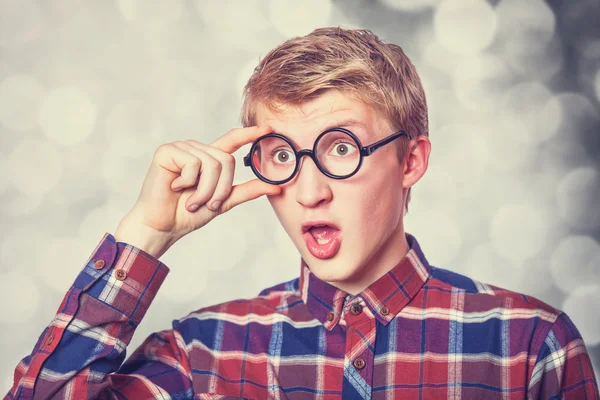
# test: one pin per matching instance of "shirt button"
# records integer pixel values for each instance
(120, 274)
(385, 310)
(49, 340)
(99, 264)
(330, 316)
(359, 363)
(356, 309)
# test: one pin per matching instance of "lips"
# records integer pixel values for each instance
(322, 238)
(310, 224)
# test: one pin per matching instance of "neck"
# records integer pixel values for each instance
(386, 258)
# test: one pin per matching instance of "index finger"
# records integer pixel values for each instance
(237, 137)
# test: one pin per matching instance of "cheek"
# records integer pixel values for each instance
(380, 205)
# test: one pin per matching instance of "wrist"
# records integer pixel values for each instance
(143, 237)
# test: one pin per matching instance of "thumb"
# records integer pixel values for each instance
(248, 191)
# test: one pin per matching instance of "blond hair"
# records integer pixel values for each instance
(355, 61)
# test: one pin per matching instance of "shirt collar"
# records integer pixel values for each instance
(385, 297)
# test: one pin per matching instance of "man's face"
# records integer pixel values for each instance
(366, 207)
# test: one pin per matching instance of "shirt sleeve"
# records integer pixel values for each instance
(563, 369)
(79, 354)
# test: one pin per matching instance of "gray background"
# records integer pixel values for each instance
(89, 90)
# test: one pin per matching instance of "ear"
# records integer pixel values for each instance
(416, 161)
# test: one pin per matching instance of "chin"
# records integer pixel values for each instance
(332, 270)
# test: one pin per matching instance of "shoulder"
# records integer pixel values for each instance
(487, 295)
(279, 303)
(483, 303)
(530, 324)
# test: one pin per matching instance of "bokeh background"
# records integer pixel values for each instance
(89, 90)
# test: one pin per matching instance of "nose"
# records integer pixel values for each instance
(312, 186)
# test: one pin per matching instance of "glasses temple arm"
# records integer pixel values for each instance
(368, 150)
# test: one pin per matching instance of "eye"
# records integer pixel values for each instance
(282, 156)
(342, 148)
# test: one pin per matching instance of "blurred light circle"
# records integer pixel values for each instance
(518, 232)
(578, 193)
(133, 129)
(481, 81)
(124, 175)
(410, 5)
(444, 242)
(517, 188)
(179, 94)
(487, 266)
(63, 254)
(156, 11)
(575, 262)
(20, 204)
(525, 19)
(189, 275)
(4, 183)
(441, 59)
(466, 156)
(438, 183)
(16, 286)
(20, 23)
(15, 247)
(282, 241)
(536, 107)
(294, 18)
(582, 307)
(243, 18)
(531, 59)
(67, 115)
(226, 237)
(99, 221)
(80, 179)
(597, 81)
(465, 26)
(577, 16)
(271, 266)
(37, 165)
(512, 145)
(578, 112)
(20, 100)
(245, 27)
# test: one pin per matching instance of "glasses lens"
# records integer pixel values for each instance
(274, 159)
(338, 153)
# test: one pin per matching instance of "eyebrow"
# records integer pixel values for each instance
(345, 123)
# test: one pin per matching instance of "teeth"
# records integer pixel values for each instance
(322, 241)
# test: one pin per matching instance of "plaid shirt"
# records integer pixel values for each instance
(419, 332)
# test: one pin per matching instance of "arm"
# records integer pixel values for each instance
(563, 368)
(78, 353)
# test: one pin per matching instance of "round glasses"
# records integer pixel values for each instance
(337, 153)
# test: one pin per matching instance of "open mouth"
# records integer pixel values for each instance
(322, 239)
(322, 233)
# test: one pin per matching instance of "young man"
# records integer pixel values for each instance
(367, 317)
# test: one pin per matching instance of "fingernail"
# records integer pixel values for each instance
(215, 205)
(194, 207)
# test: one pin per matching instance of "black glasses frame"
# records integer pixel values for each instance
(365, 151)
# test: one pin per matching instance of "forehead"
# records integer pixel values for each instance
(331, 109)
